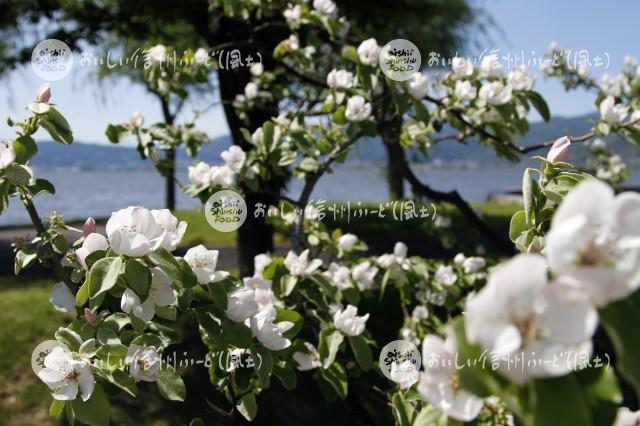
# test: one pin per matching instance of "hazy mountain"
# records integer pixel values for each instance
(91, 156)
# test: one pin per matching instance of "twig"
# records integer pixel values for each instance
(41, 231)
(453, 197)
(309, 185)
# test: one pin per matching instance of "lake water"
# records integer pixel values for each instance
(82, 193)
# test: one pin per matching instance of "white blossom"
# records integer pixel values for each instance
(260, 262)
(160, 294)
(62, 299)
(595, 238)
(459, 259)
(348, 321)
(491, 66)
(347, 242)
(404, 374)
(7, 154)
(465, 91)
(357, 109)
(199, 174)
(309, 360)
(462, 66)
(136, 119)
(340, 275)
(173, 229)
(326, 7)
(626, 417)
(43, 94)
(65, 375)
(611, 112)
(91, 243)
(420, 313)
(369, 51)
(299, 265)
(398, 258)
(520, 79)
(418, 85)
(364, 274)
(439, 383)
(234, 158)
(473, 264)
(520, 314)
(221, 176)
(134, 232)
(203, 262)
(251, 90)
(268, 332)
(340, 79)
(293, 15)
(241, 304)
(495, 93)
(559, 151)
(158, 53)
(144, 362)
(445, 275)
(256, 69)
(201, 56)
(293, 42)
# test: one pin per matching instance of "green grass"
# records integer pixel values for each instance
(26, 319)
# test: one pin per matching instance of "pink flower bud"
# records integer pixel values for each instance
(44, 93)
(559, 151)
(89, 227)
(533, 249)
(90, 316)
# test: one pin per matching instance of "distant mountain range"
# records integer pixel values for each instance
(81, 155)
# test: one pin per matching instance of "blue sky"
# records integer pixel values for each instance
(527, 28)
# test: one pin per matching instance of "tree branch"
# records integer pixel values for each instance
(467, 211)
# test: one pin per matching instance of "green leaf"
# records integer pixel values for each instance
(350, 53)
(138, 277)
(263, 364)
(518, 225)
(362, 351)
(402, 410)
(330, 341)
(527, 195)
(69, 338)
(25, 148)
(82, 296)
(169, 265)
(430, 416)
(285, 373)
(618, 319)
(539, 104)
(104, 275)
(116, 132)
(170, 385)
(19, 174)
(124, 381)
(56, 408)
(95, 411)
(336, 376)
(559, 401)
(40, 186)
(288, 284)
(601, 389)
(248, 406)
(291, 316)
(422, 113)
(235, 334)
(57, 126)
(112, 355)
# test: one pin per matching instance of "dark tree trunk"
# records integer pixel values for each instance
(390, 126)
(170, 191)
(395, 162)
(255, 236)
(170, 186)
